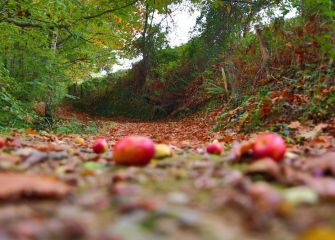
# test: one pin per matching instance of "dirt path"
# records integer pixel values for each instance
(55, 188)
(192, 131)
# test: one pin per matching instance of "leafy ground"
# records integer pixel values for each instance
(55, 188)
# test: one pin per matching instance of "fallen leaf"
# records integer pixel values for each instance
(300, 195)
(266, 166)
(238, 150)
(321, 165)
(31, 131)
(294, 125)
(5, 157)
(50, 147)
(93, 165)
(319, 233)
(265, 197)
(17, 186)
(36, 157)
(311, 134)
(315, 132)
(320, 126)
(324, 186)
(321, 142)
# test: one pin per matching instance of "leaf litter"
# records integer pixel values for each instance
(62, 190)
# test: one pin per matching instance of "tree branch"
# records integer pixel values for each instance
(22, 24)
(110, 10)
(33, 24)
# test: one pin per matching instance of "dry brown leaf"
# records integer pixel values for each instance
(317, 130)
(16, 185)
(324, 186)
(321, 165)
(320, 126)
(265, 197)
(239, 150)
(5, 157)
(321, 142)
(50, 147)
(265, 166)
(294, 125)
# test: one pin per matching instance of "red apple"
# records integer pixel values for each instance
(100, 146)
(269, 145)
(134, 151)
(2, 142)
(214, 148)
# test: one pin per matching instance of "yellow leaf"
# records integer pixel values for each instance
(244, 118)
(320, 233)
(228, 8)
(31, 131)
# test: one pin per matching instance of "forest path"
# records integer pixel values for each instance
(191, 131)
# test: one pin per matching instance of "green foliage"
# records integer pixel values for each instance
(312, 100)
(75, 127)
(14, 113)
(45, 46)
(48, 50)
(118, 102)
(215, 89)
(224, 31)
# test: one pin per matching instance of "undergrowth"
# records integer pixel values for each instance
(114, 101)
(75, 127)
(307, 94)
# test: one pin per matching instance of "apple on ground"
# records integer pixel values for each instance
(79, 141)
(162, 151)
(214, 148)
(269, 145)
(100, 146)
(2, 142)
(134, 151)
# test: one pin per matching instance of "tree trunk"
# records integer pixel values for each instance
(141, 77)
(48, 102)
(302, 9)
(263, 46)
(266, 59)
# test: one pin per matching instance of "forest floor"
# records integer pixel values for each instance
(54, 187)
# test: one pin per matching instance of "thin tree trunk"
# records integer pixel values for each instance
(266, 58)
(142, 72)
(264, 50)
(302, 9)
(144, 68)
(48, 102)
